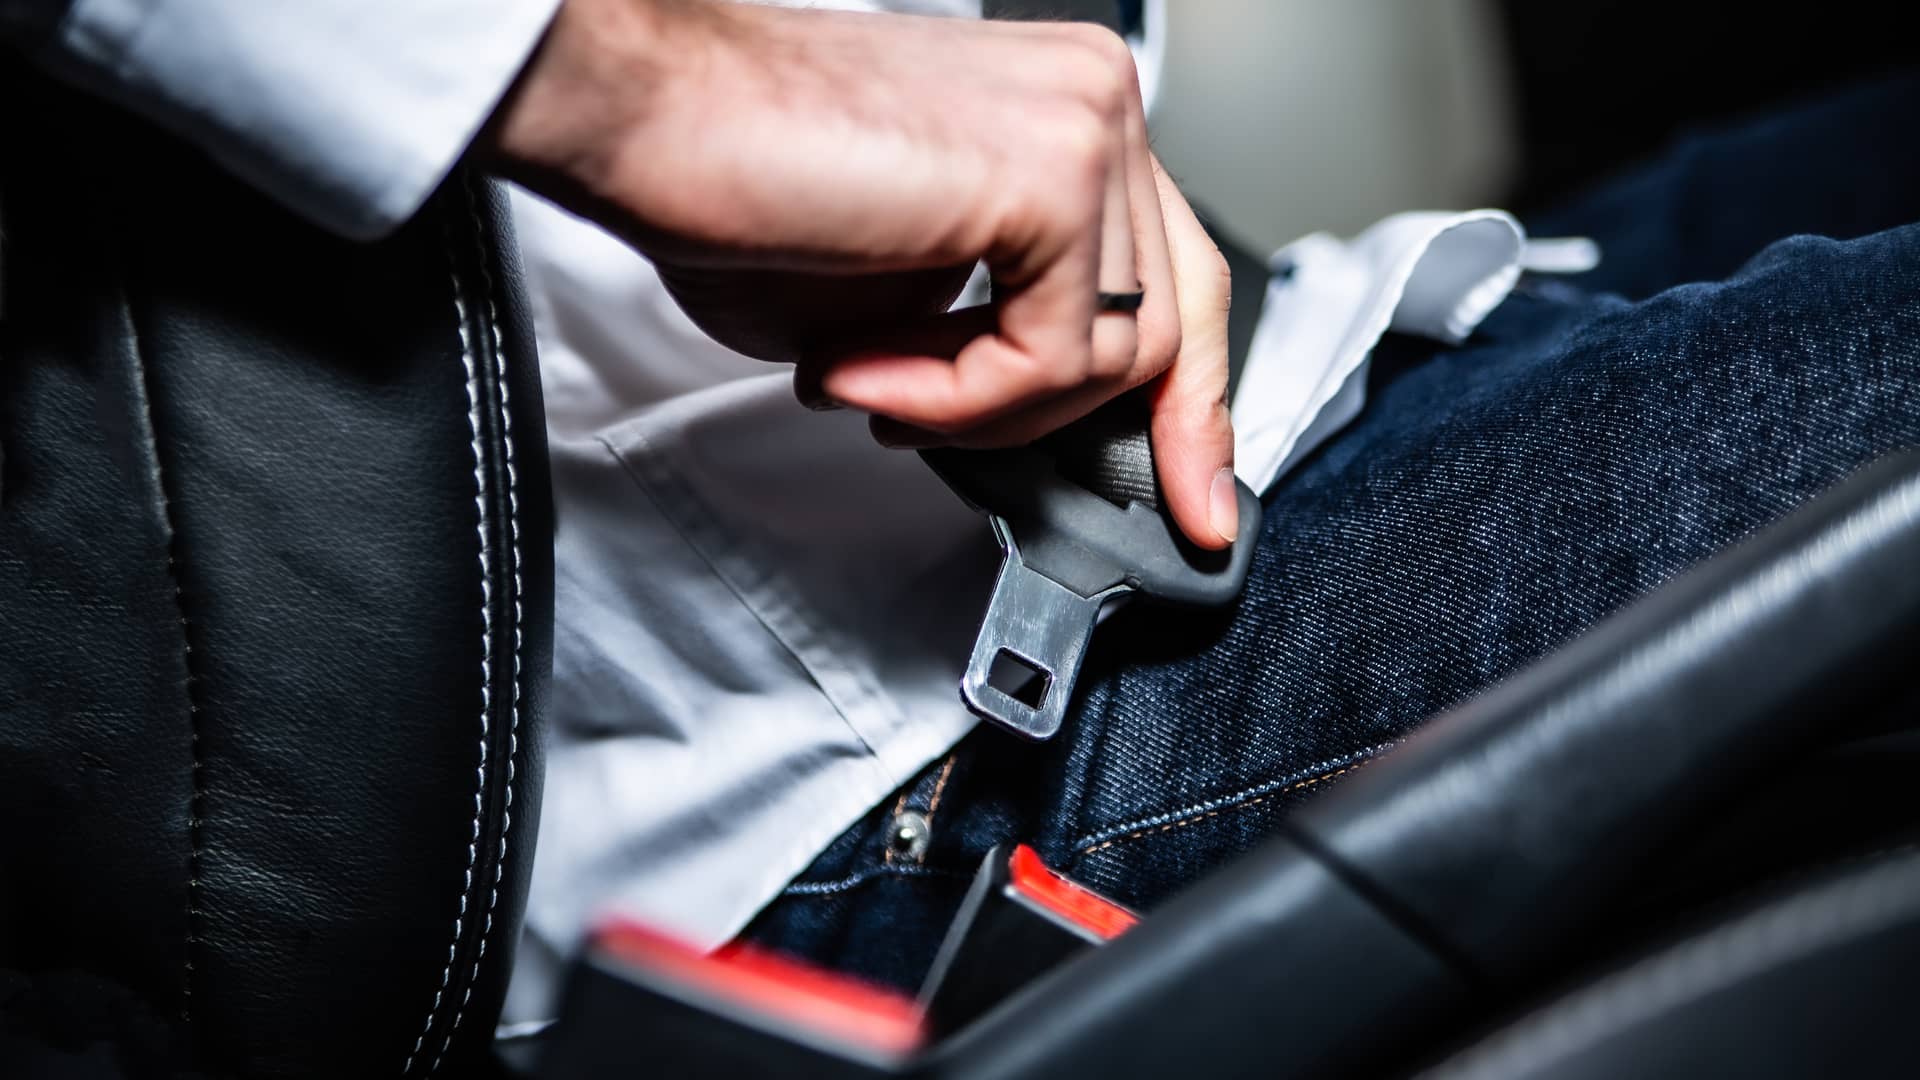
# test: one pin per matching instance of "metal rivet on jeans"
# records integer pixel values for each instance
(909, 834)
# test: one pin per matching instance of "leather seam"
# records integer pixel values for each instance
(498, 363)
(471, 362)
(1156, 824)
(1408, 920)
(196, 792)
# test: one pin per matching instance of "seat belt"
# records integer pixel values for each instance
(1080, 521)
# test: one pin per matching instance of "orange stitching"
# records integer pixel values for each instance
(939, 786)
(933, 804)
(1185, 821)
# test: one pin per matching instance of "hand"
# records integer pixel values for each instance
(814, 186)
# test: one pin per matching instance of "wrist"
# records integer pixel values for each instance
(602, 73)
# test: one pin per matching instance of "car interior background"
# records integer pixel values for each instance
(1725, 769)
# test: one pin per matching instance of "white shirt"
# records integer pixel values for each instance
(761, 616)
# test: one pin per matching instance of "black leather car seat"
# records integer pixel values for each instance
(275, 603)
(1818, 981)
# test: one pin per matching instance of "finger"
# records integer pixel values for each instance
(1023, 426)
(1115, 339)
(947, 373)
(1157, 322)
(1191, 429)
(1041, 339)
(1017, 429)
(1050, 338)
(1129, 348)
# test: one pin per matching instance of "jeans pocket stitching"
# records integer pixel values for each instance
(1175, 819)
(872, 873)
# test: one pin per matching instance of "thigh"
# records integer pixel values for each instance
(1492, 501)
(1842, 166)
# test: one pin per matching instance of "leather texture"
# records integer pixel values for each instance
(1813, 983)
(1271, 967)
(1448, 880)
(275, 602)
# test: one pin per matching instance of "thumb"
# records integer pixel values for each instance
(1192, 431)
(1193, 450)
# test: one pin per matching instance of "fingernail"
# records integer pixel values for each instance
(824, 404)
(1223, 505)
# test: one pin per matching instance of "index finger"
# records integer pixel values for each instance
(1040, 343)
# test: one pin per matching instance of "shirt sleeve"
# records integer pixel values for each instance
(349, 111)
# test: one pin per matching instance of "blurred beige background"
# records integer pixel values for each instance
(1283, 117)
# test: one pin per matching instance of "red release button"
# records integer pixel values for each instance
(776, 986)
(1070, 901)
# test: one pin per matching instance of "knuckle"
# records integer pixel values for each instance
(1094, 75)
(1119, 83)
(1085, 139)
(1115, 353)
(1202, 403)
(1217, 280)
(1106, 92)
(1110, 47)
(1028, 375)
(1160, 341)
(1192, 415)
(1045, 215)
(1112, 365)
(1069, 370)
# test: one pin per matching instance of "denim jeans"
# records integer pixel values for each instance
(1753, 336)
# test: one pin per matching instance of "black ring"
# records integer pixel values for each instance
(1124, 302)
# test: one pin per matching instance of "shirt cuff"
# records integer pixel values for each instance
(349, 111)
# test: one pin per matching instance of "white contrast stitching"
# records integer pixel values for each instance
(513, 525)
(468, 358)
(196, 799)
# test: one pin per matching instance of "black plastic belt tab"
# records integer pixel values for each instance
(639, 1004)
(1018, 920)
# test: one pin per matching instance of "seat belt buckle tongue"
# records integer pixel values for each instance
(1080, 522)
(1018, 921)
